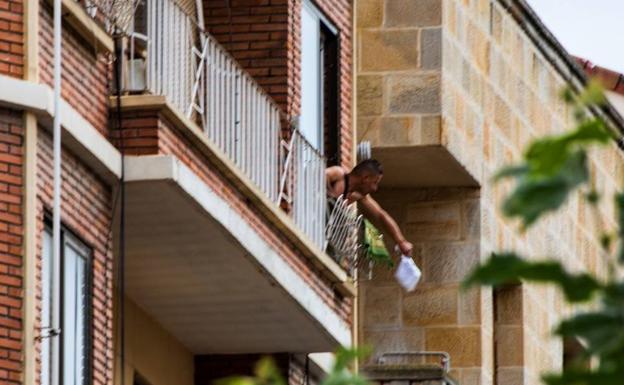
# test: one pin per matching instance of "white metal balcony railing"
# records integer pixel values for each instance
(171, 56)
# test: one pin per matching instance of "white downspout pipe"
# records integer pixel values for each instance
(56, 220)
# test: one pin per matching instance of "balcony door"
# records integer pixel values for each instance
(319, 80)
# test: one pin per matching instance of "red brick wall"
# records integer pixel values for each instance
(140, 138)
(264, 37)
(12, 38)
(256, 38)
(86, 211)
(140, 133)
(85, 74)
(11, 274)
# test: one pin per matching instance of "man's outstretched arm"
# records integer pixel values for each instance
(381, 219)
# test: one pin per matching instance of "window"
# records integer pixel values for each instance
(319, 82)
(75, 309)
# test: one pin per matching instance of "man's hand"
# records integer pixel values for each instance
(406, 248)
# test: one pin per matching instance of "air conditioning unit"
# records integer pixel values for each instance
(136, 75)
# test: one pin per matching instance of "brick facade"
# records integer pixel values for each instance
(87, 212)
(11, 238)
(264, 37)
(85, 74)
(12, 38)
(255, 34)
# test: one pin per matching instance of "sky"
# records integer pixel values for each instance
(591, 29)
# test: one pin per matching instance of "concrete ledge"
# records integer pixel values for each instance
(77, 133)
(422, 166)
(157, 168)
(269, 209)
(91, 31)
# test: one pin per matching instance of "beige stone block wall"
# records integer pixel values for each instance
(398, 71)
(499, 93)
(443, 225)
(462, 74)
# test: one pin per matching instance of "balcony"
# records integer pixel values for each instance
(227, 222)
(170, 55)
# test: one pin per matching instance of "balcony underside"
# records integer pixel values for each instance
(201, 271)
(421, 166)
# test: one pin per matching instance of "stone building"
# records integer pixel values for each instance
(447, 91)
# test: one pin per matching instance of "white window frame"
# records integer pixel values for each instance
(311, 119)
(70, 246)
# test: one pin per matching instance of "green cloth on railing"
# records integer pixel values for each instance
(376, 249)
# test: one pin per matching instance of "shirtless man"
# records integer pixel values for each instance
(356, 186)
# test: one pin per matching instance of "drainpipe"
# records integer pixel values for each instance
(56, 220)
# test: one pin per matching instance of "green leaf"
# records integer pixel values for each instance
(534, 197)
(585, 378)
(510, 171)
(346, 356)
(268, 372)
(593, 197)
(546, 156)
(605, 241)
(603, 331)
(593, 94)
(508, 268)
(340, 375)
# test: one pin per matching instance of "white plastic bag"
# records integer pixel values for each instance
(408, 274)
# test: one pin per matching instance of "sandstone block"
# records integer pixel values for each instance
(433, 211)
(508, 305)
(430, 130)
(398, 131)
(449, 262)
(369, 13)
(410, 13)
(389, 50)
(368, 129)
(509, 345)
(404, 340)
(369, 95)
(472, 377)
(431, 48)
(462, 343)
(471, 219)
(510, 376)
(414, 94)
(431, 306)
(381, 306)
(469, 310)
(432, 231)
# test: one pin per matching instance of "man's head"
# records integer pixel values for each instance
(368, 174)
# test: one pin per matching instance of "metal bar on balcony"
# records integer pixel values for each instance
(200, 78)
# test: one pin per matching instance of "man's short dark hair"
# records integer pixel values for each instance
(368, 167)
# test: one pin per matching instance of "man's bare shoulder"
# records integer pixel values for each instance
(335, 172)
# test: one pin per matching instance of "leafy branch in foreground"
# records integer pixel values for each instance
(553, 168)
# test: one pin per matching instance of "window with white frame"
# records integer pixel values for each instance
(75, 310)
(319, 82)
